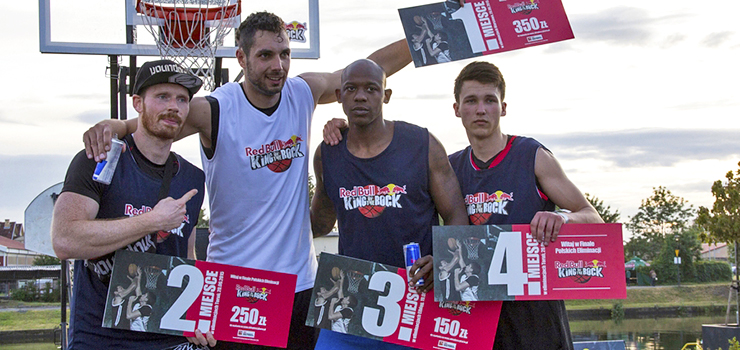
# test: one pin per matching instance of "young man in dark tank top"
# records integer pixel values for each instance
(526, 182)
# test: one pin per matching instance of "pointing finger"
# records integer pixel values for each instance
(186, 197)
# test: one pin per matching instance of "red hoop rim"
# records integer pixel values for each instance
(356, 274)
(188, 13)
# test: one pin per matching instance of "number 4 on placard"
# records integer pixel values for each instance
(508, 253)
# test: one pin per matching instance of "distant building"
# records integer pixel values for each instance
(328, 243)
(719, 251)
(14, 253)
(12, 230)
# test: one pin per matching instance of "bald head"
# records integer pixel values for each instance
(363, 93)
(366, 68)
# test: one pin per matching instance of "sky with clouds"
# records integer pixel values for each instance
(644, 96)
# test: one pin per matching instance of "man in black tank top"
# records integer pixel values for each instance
(374, 153)
(484, 167)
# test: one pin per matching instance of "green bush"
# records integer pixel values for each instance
(734, 344)
(617, 312)
(25, 293)
(713, 271)
(48, 293)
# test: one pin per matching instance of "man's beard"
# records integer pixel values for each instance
(154, 127)
(260, 84)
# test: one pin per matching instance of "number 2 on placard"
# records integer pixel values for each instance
(389, 303)
(508, 248)
(171, 319)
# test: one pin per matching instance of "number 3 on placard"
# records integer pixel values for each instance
(171, 319)
(389, 303)
(509, 245)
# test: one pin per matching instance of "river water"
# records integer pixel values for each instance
(645, 334)
(638, 334)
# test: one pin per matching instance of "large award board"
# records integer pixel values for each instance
(504, 262)
(374, 300)
(235, 304)
(481, 27)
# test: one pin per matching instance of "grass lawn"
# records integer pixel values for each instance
(30, 319)
(686, 295)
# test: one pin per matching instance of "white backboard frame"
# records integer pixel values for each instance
(47, 45)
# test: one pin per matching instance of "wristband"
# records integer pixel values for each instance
(565, 217)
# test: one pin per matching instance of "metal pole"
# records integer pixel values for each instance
(736, 285)
(122, 92)
(63, 287)
(113, 61)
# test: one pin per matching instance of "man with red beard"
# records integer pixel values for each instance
(151, 204)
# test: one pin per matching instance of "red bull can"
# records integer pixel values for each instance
(411, 253)
(105, 168)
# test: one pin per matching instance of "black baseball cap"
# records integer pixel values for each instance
(165, 71)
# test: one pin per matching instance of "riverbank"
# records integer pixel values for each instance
(659, 301)
(693, 295)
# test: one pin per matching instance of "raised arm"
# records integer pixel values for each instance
(432, 51)
(333, 314)
(391, 58)
(460, 286)
(76, 234)
(323, 215)
(130, 314)
(97, 139)
(545, 226)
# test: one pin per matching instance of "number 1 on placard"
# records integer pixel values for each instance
(508, 253)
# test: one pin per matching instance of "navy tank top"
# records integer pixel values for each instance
(382, 202)
(505, 193)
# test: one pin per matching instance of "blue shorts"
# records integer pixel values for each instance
(329, 340)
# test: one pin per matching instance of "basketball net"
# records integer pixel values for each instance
(189, 32)
(354, 281)
(152, 275)
(472, 245)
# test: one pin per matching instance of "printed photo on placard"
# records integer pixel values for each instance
(445, 31)
(373, 300)
(504, 262)
(337, 290)
(138, 287)
(434, 35)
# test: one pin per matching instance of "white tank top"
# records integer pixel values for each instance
(257, 184)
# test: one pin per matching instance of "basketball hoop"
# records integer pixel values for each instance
(472, 244)
(354, 281)
(152, 276)
(189, 32)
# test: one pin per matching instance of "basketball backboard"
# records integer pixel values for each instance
(38, 221)
(95, 27)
